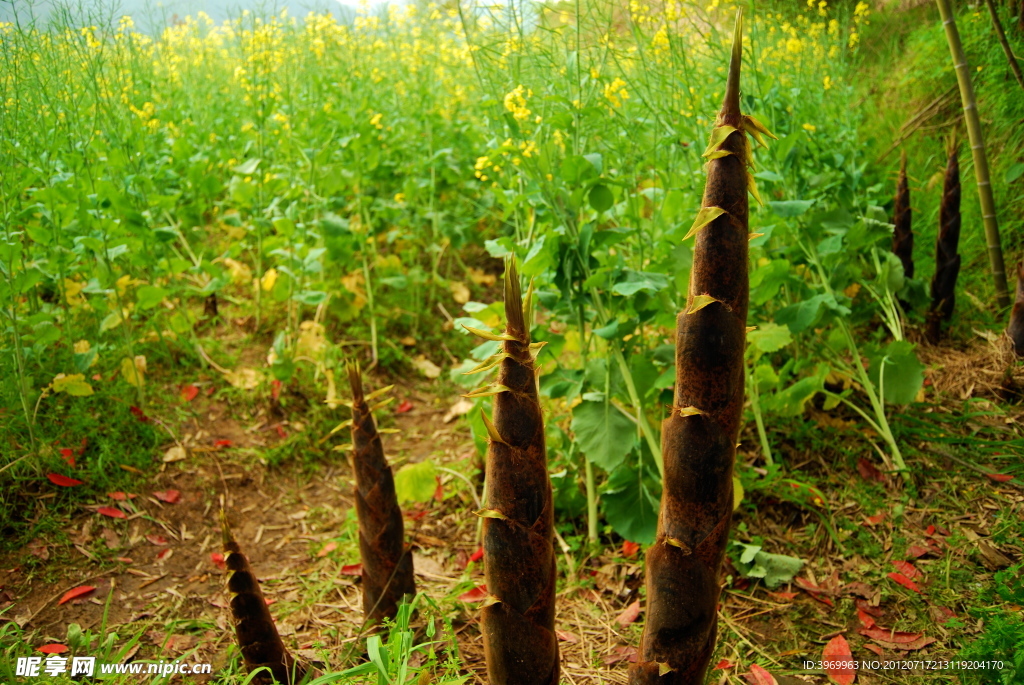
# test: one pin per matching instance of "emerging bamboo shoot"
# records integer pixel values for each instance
(258, 639)
(699, 437)
(947, 261)
(518, 619)
(387, 573)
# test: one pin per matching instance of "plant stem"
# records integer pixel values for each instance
(1001, 35)
(755, 406)
(588, 468)
(988, 205)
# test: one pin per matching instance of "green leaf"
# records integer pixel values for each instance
(775, 569)
(604, 434)
(766, 280)
(790, 402)
(631, 506)
(788, 209)
(635, 281)
(769, 337)
(1013, 173)
(601, 198)
(74, 385)
(608, 332)
(248, 167)
(904, 373)
(416, 482)
(149, 296)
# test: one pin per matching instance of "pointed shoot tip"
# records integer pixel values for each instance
(731, 104)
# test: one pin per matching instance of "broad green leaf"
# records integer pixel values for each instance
(74, 385)
(790, 402)
(416, 482)
(766, 280)
(788, 209)
(248, 167)
(775, 569)
(631, 505)
(635, 281)
(1013, 173)
(604, 434)
(608, 332)
(904, 373)
(601, 198)
(149, 296)
(769, 337)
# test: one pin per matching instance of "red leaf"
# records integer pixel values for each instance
(352, 570)
(476, 556)
(917, 551)
(868, 609)
(82, 446)
(111, 512)
(218, 560)
(327, 549)
(189, 392)
(169, 496)
(783, 596)
(905, 582)
(439, 491)
(74, 593)
(621, 653)
(943, 614)
(125, 560)
(907, 569)
(874, 520)
(930, 530)
(630, 614)
(404, 407)
(222, 443)
(55, 648)
(759, 676)
(874, 648)
(69, 456)
(477, 594)
(814, 591)
(281, 432)
(858, 588)
(868, 471)
(138, 413)
(629, 549)
(723, 664)
(866, 619)
(275, 388)
(158, 540)
(63, 481)
(121, 496)
(838, 661)
(164, 553)
(999, 477)
(893, 636)
(566, 636)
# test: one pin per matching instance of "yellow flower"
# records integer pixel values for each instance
(515, 102)
(400, 198)
(827, 82)
(811, 128)
(615, 92)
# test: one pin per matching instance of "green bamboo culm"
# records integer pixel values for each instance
(988, 205)
(699, 437)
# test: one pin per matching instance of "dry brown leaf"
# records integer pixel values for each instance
(456, 410)
(176, 453)
(426, 367)
(460, 293)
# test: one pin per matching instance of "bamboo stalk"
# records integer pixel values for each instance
(988, 205)
(947, 261)
(1001, 35)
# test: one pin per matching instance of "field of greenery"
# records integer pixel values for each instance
(236, 210)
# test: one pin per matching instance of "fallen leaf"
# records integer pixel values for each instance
(907, 569)
(222, 443)
(121, 496)
(281, 432)
(893, 636)
(164, 554)
(860, 589)
(169, 496)
(456, 410)
(426, 367)
(158, 540)
(838, 661)
(866, 619)
(138, 413)
(783, 596)
(622, 653)
(866, 607)
(476, 556)
(942, 614)
(111, 512)
(189, 392)
(63, 481)
(460, 293)
(874, 648)
(218, 560)
(905, 582)
(999, 477)
(630, 614)
(477, 594)
(69, 456)
(814, 590)
(917, 551)
(54, 648)
(176, 453)
(327, 549)
(439, 491)
(352, 570)
(869, 471)
(991, 557)
(403, 407)
(244, 379)
(408, 341)
(629, 549)
(566, 636)
(125, 560)
(74, 593)
(759, 676)
(275, 389)
(38, 548)
(913, 646)
(723, 664)
(874, 520)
